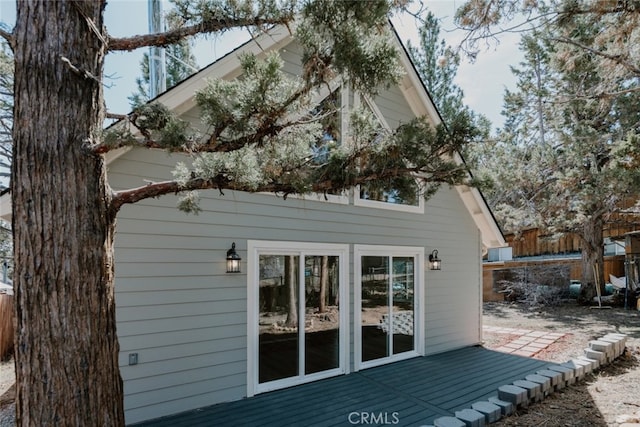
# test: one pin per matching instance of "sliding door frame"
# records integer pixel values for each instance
(302, 249)
(388, 251)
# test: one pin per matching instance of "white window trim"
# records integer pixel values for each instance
(358, 201)
(255, 248)
(342, 199)
(393, 251)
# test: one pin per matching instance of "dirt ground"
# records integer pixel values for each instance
(610, 397)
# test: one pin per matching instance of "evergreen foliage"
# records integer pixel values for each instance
(571, 151)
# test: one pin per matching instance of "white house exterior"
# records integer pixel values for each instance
(193, 335)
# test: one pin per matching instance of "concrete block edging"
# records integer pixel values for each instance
(509, 397)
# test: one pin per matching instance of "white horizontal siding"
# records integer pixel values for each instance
(186, 318)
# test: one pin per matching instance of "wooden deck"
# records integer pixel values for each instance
(409, 393)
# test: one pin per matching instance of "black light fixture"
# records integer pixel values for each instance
(434, 262)
(233, 260)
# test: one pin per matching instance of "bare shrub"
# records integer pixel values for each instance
(534, 285)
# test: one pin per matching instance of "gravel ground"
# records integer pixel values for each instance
(608, 398)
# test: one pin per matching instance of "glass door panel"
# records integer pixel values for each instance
(278, 318)
(388, 308)
(322, 313)
(375, 307)
(403, 304)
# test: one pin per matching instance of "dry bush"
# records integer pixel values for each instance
(535, 285)
(533, 294)
(6, 326)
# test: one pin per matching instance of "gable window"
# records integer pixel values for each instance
(331, 112)
(328, 113)
(406, 198)
(388, 310)
(297, 317)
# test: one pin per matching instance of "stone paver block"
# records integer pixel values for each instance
(578, 369)
(505, 407)
(567, 373)
(557, 382)
(534, 390)
(618, 348)
(595, 355)
(555, 335)
(593, 363)
(523, 353)
(491, 411)
(545, 382)
(586, 365)
(471, 417)
(513, 345)
(623, 337)
(514, 394)
(448, 422)
(604, 347)
(538, 345)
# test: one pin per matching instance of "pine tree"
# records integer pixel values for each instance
(180, 64)
(570, 157)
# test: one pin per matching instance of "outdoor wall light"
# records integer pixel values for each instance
(434, 262)
(233, 260)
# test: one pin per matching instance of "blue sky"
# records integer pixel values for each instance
(483, 81)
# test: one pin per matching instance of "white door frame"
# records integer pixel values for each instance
(390, 251)
(255, 248)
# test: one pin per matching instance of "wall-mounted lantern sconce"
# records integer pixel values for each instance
(434, 262)
(233, 260)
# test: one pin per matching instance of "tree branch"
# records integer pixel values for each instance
(168, 38)
(8, 37)
(615, 58)
(223, 182)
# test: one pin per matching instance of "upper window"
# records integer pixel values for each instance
(328, 113)
(402, 198)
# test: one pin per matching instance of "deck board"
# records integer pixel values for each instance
(418, 390)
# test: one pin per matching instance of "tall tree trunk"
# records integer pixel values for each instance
(324, 282)
(66, 345)
(592, 255)
(291, 282)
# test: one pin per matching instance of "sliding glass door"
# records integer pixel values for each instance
(387, 309)
(298, 322)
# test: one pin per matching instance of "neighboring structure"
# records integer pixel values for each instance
(353, 271)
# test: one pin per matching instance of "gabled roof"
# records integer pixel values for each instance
(180, 99)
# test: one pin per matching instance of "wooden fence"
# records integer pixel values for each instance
(6, 326)
(493, 271)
